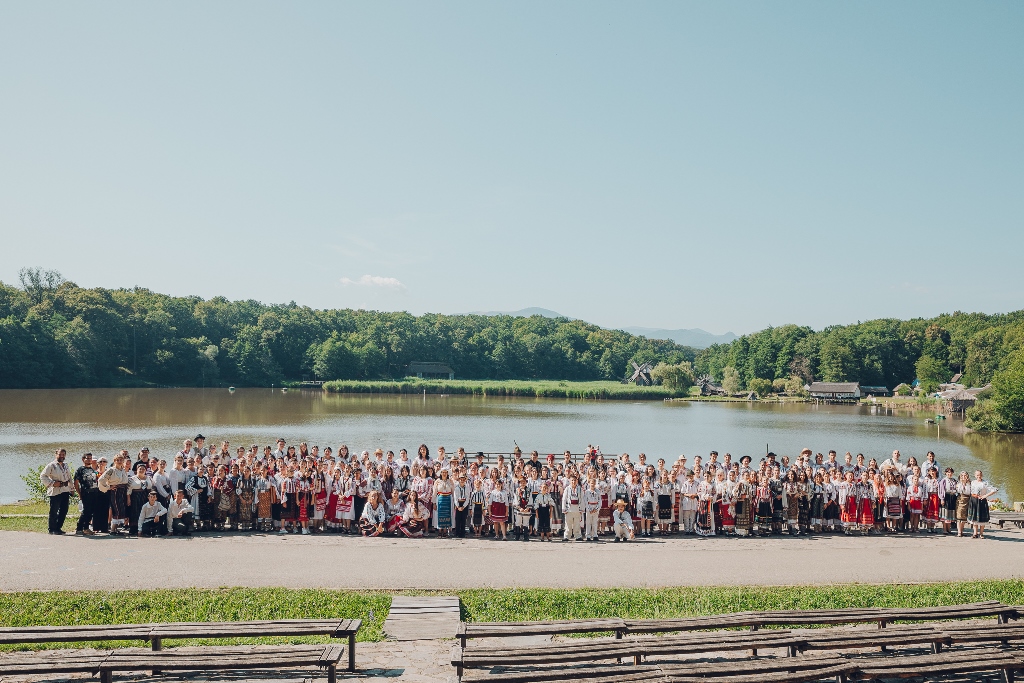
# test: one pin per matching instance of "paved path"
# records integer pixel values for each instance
(33, 561)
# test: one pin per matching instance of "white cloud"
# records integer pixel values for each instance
(373, 281)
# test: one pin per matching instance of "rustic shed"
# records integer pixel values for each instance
(835, 391)
(429, 370)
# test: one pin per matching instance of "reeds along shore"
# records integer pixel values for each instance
(527, 388)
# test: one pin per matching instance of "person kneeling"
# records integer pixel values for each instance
(374, 516)
(151, 519)
(179, 516)
(622, 522)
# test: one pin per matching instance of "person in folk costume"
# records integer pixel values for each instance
(204, 503)
(893, 501)
(791, 501)
(742, 495)
(139, 486)
(522, 510)
(416, 518)
(847, 495)
(395, 509)
(763, 501)
(331, 519)
(636, 487)
(403, 482)
(477, 507)
(423, 485)
(817, 509)
(963, 502)
(803, 501)
(461, 501)
(779, 510)
(866, 502)
(932, 504)
(720, 503)
(665, 502)
(498, 502)
(622, 522)
(915, 501)
(688, 491)
(321, 492)
(289, 506)
(591, 508)
(705, 525)
(229, 498)
(572, 500)
(879, 481)
(304, 498)
(266, 498)
(443, 490)
(977, 510)
(245, 489)
(947, 498)
(374, 519)
(645, 503)
(117, 480)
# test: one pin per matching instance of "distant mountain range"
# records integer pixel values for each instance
(697, 338)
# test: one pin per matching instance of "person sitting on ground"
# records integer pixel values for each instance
(374, 518)
(179, 516)
(622, 522)
(151, 522)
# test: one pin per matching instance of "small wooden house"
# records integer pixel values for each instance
(429, 370)
(874, 391)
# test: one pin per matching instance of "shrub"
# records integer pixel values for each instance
(760, 386)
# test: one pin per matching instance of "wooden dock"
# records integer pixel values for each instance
(422, 618)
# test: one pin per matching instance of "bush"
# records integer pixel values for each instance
(34, 487)
(677, 377)
(731, 380)
(795, 386)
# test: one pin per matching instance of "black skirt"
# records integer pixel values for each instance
(544, 520)
(478, 514)
(664, 508)
(977, 511)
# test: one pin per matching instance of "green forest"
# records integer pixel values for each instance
(56, 334)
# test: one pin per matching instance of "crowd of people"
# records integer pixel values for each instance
(289, 489)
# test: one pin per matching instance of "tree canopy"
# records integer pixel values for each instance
(56, 334)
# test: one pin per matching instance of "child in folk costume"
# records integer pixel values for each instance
(947, 497)
(791, 491)
(803, 502)
(741, 504)
(245, 489)
(688, 492)
(477, 506)
(705, 507)
(444, 514)
(346, 502)
(777, 486)
(893, 502)
(374, 519)
(331, 519)
(604, 515)
(721, 504)
(544, 504)
(866, 502)
(848, 502)
(320, 496)
(498, 504)
(591, 509)
(288, 507)
(915, 498)
(645, 506)
(622, 522)
(977, 510)
(266, 498)
(932, 504)
(817, 511)
(304, 500)
(522, 512)
(416, 518)
(879, 481)
(572, 508)
(832, 517)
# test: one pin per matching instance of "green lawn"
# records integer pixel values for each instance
(529, 388)
(233, 604)
(28, 523)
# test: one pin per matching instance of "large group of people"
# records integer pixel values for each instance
(289, 489)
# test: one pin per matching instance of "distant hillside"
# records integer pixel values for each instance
(696, 338)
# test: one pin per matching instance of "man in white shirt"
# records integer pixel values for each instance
(895, 463)
(179, 515)
(572, 502)
(151, 520)
(591, 511)
(688, 502)
(56, 477)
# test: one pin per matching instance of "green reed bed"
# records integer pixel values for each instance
(527, 388)
(238, 604)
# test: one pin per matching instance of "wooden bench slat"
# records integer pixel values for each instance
(616, 673)
(775, 677)
(753, 665)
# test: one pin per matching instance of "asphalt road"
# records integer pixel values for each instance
(32, 561)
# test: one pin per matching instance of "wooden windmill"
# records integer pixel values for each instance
(641, 375)
(708, 387)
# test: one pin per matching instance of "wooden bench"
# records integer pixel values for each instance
(156, 633)
(835, 639)
(608, 673)
(1000, 518)
(584, 650)
(766, 670)
(503, 629)
(716, 641)
(984, 633)
(105, 663)
(951, 662)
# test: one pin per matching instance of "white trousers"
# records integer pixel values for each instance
(689, 519)
(572, 524)
(621, 531)
(591, 524)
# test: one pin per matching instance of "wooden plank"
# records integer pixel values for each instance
(753, 665)
(774, 677)
(413, 618)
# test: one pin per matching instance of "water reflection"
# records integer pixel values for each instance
(33, 423)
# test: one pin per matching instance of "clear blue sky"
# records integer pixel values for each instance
(717, 165)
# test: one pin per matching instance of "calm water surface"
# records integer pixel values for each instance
(35, 422)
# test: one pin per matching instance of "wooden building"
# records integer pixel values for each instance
(835, 392)
(874, 391)
(429, 370)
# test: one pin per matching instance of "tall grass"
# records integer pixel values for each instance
(530, 388)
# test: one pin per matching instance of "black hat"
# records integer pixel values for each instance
(199, 436)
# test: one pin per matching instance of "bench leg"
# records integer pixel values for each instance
(158, 645)
(332, 673)
(458, 671)
(352, 652)
(753, 653)
(618, 636)
(637, 659)
(106, 676)
(1008, 675)
(936, 648)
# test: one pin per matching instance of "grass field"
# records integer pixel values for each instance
(530, 388)
(133, 606)
(9, 523)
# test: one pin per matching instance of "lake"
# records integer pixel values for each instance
(35, 422)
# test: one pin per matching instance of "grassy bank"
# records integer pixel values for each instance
(530, 388)
(13, 516)
(136, 606)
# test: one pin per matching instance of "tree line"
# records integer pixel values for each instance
(54, 333)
